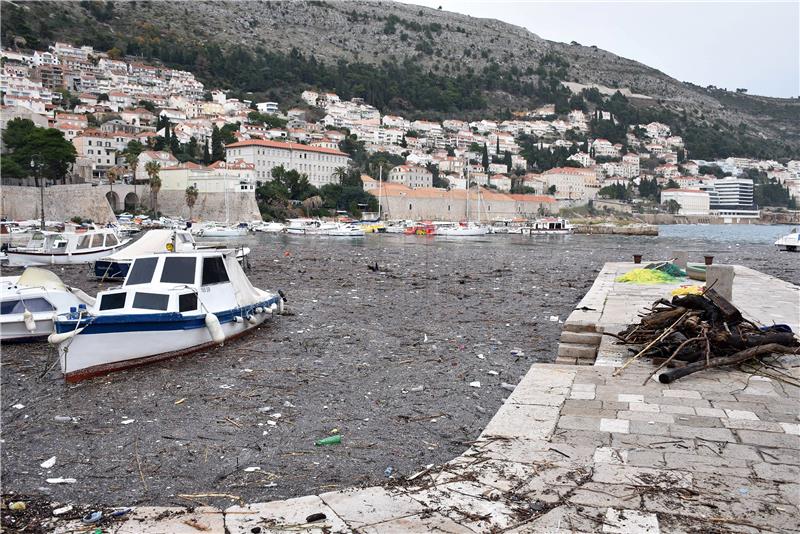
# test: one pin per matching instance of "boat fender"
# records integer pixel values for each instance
(30, 323)
(280, 306)
(237, 319)
(273, 308)
(251, 319)
(259, 309)
(214, 328)
(56, 339)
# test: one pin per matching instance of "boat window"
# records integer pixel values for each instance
(150, 301)
(178, 270)
(85, 242)
(141, 271)
(19, 306)
(187, 302)
(214, 271)
(111, 240)
(186, 238)
(113, 301)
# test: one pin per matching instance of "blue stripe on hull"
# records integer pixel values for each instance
(152, 322)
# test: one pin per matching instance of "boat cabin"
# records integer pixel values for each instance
(44, 242)
(173, 282)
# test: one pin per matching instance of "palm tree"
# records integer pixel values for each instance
(340, 173)
(111, 176)
(191, 198)
(152, 168)
(132, 160)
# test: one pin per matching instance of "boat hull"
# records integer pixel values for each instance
(16, 332)
(129, 341)
(25, 259)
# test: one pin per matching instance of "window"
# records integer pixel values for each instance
(85, 242)
(187, 302)
(214, 271)
(142, 271)
(185, 238)
(178, 270)
(19, 306)
(112, 301)
(150, 301)
(111, 240)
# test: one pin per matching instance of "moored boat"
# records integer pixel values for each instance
(115, 266)
(66, 248)
(346, 230)
(270, 227)
(420, 229)
(696, 271)
(309, 227)
(548, 225)
(789, 242)
(170, 304)
(223, 231)
(30, 302)
(468, 229)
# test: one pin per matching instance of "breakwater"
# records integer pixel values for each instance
(611, 229)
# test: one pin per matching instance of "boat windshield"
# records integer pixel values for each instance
(178, 270)
(142, 271)
(19, 306)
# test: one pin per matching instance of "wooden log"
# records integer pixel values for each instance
(728, 310)
(739, 357)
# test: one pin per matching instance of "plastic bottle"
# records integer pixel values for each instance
(333, 440)
(73, 312)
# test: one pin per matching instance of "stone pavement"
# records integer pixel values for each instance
(575, 449)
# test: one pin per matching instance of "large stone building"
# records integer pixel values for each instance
(412, 176)
(318, 163)
(402, 202)
(571, 183)
(219, 177)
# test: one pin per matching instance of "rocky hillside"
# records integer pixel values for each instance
(342, 34)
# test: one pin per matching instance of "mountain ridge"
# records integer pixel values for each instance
(446, 45)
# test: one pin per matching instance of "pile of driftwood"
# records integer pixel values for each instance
(696, 332)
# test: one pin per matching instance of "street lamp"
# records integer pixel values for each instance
(35, 167)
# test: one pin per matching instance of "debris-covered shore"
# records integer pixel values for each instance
(405, 362)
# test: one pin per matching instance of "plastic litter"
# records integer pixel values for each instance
(18, 406)
(60, 480)
(388, 472)
(493, 373)
(417, 388)
(121, 512)
(62, 510)
(50, 462)
(91, 518)
(127, 421)
(251, 469)
(17, 506)
(316, 517)
(332, 440)
(62, 418)
(667, 267)
(475, 384)
(508, 387)
(554, 318)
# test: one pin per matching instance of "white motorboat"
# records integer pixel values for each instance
(309, 227)
(790, 242)
(346, 230)
(223, 231)
(467, 229)
(115, 266)
(506, 226)
(548, 225)
(398, 227)
(270, 227)
(30, 302)
(170, 304)
(66, 248)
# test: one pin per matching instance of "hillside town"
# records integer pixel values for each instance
(121, 114)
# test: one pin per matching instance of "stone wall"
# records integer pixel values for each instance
(61, 203)
(454, 209)
(242, 206)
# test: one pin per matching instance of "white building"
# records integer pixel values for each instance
(736, 193)
(164, 159)
(691, 201)
(412, 176)
(571, 183)
(267, 107)
(318, 163)
(218, 177)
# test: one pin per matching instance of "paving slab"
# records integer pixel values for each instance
(284, 516)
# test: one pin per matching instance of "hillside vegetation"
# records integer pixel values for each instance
(401, 58)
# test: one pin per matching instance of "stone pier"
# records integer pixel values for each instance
(576, 449)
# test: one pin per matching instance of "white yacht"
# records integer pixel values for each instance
(790, 242)
(270, 227)
(548, 225)
(65, 248)
(170, 304)
(309, 227)
(346, 230)
(467, 229)
(223, 231)
(30, 302)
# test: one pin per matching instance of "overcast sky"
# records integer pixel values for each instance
(729, 44)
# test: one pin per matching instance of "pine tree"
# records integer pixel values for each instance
(191, 150)
(485, 159)
(167, 140)
(206, 154)
(217, 150)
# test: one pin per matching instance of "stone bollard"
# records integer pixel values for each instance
(681, 258)
(721, 276)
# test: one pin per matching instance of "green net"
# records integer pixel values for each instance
(647, 276)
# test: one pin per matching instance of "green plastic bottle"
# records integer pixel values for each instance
(333, 440)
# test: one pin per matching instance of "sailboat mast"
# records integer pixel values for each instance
(380, 189)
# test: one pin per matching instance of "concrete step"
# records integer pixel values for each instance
(563, 360)
(575, 350)
(581, 338)
(580, 326)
